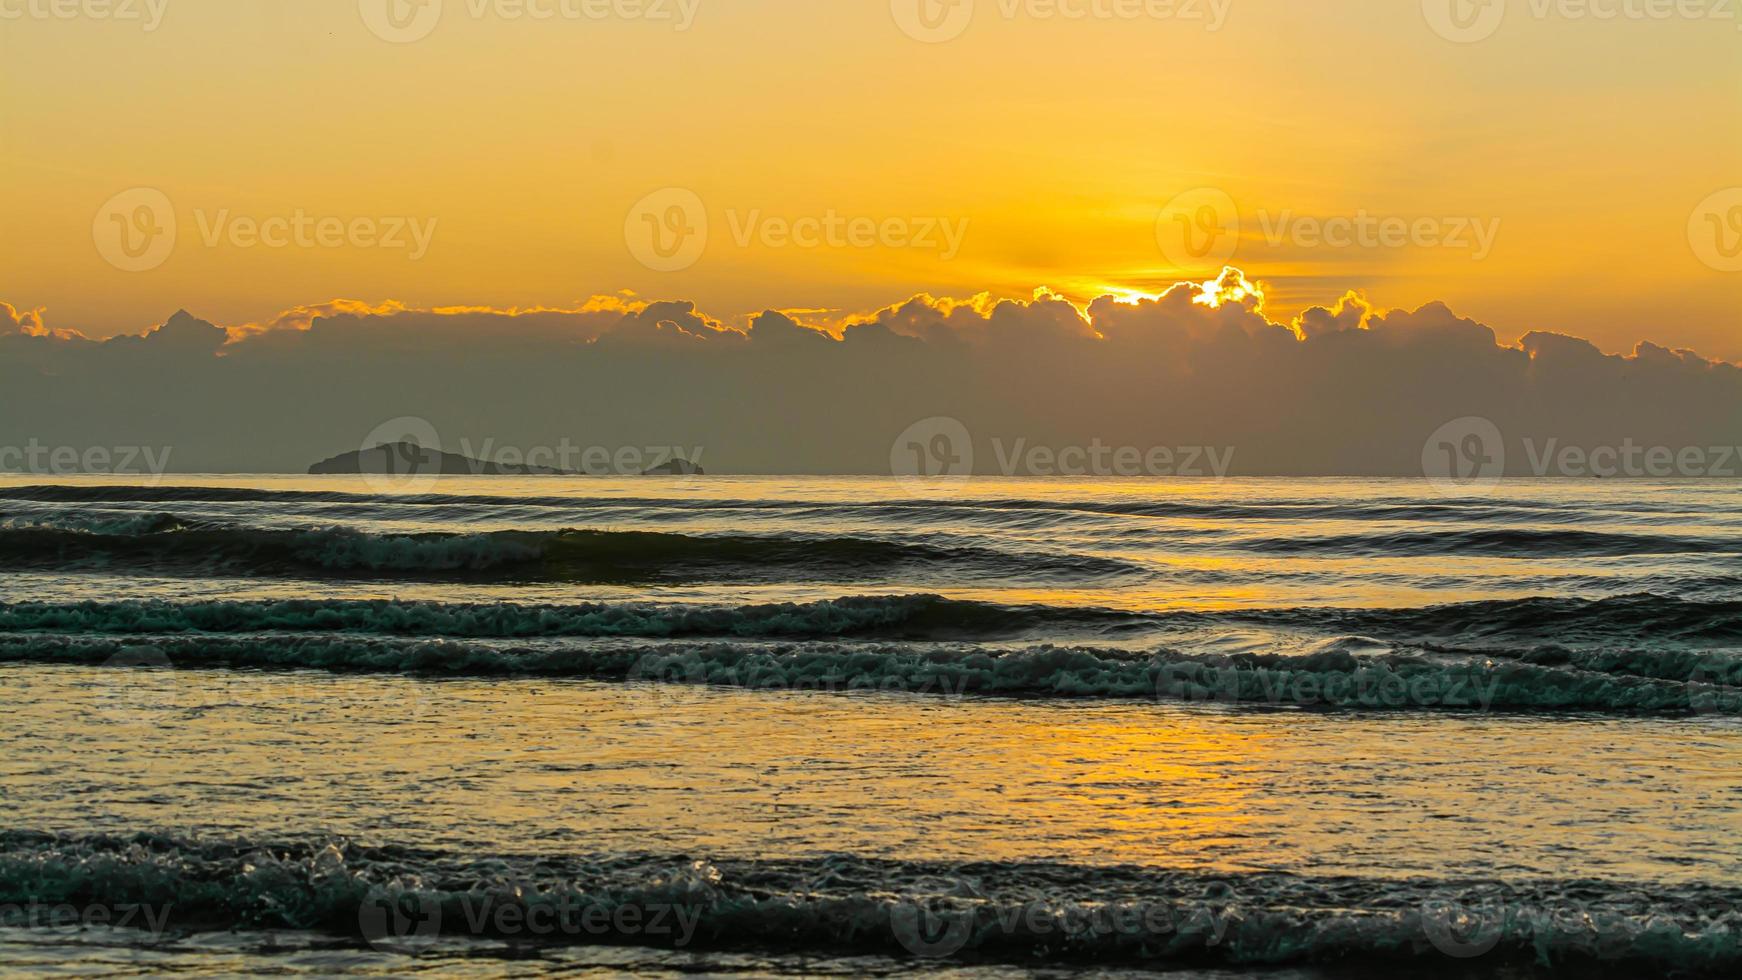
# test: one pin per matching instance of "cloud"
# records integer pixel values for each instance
(26, 322)
(29, 323)
(1346, 388)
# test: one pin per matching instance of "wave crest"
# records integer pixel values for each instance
(1031, 913)
(566, 555)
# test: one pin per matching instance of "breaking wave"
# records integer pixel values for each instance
(1663, 622)
(166, 543)
(1304, 509)
(1499, 542)
(403, 899)
(1340, 674)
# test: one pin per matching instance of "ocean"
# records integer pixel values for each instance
(317, 726)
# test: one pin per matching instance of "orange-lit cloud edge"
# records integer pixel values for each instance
(919, 315)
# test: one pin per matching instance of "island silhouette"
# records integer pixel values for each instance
(410, 458)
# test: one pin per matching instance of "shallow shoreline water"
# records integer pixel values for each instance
(1328, 728)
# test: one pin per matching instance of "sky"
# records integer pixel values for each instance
(1533, 165)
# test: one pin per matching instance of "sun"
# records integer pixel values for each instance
(1231, 286)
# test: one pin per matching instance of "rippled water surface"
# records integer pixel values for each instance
(1332, 726)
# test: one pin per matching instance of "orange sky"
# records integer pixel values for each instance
(1562, 172)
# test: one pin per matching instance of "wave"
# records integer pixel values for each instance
(166, 543)
(119, 522)
(1660, 623)
(406, 899)
(1364, 509)
(1497, 542)
(1347, 674)
(898, 617)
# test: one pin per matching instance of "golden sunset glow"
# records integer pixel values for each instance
(521, 145)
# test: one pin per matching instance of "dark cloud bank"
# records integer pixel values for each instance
(1347, 390)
